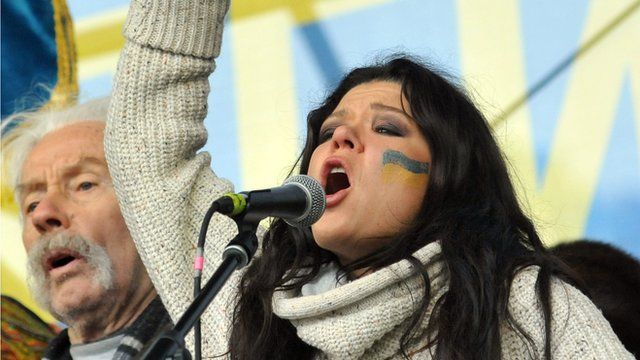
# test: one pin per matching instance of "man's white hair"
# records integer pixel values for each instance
(32, 126)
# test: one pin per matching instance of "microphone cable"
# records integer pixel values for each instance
(198, 266)
(228, 204)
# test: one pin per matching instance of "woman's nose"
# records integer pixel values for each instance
(345, 136)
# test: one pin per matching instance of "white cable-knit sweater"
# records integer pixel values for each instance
(154, 130)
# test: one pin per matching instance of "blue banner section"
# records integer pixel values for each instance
(615, 211)
(221, 122)
(541, 21)
(31, 71)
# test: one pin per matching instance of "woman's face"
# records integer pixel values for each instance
(374, 164)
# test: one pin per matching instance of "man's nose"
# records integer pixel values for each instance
(346, 137)
(50, 214)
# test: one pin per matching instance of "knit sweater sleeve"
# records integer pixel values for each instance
(578, 328)
(154, 131)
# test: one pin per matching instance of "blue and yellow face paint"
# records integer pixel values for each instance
(398, 168)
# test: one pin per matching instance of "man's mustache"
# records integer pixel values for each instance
(38, 271)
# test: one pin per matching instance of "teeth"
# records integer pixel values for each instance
(338, 170)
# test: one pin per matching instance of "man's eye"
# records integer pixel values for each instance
(31, 207)
(86, 185)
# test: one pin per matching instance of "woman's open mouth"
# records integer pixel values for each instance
(336, 180)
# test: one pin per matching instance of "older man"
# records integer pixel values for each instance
(82, 263)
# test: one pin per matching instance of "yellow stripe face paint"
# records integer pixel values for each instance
(398, 168)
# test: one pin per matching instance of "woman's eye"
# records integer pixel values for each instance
(31, 207)
(86, 185)
(388, 130)
(326, 134)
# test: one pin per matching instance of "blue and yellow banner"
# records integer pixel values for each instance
(559, 81)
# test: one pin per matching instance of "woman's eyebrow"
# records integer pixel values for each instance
(383, 107)
(338, 114)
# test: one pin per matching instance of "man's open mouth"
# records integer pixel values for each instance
(59, 258)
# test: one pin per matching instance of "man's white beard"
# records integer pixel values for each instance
(39, 282)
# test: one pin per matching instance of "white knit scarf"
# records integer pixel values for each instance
(365, 317)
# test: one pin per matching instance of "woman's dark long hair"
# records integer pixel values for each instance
(470, 207)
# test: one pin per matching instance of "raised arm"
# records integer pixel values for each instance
(154, 130)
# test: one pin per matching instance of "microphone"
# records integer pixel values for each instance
(300, 202)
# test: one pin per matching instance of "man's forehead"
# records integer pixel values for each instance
(69, 164)
(80, 139)
(31, 176)
(65, 149)
(93, 130)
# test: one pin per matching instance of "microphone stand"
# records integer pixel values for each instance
(237, 254)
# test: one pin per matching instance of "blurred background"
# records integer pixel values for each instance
(558, 80)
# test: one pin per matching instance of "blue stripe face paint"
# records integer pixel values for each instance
(398, 158)
(397, 168)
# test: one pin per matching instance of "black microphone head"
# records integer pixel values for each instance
(316, 201)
